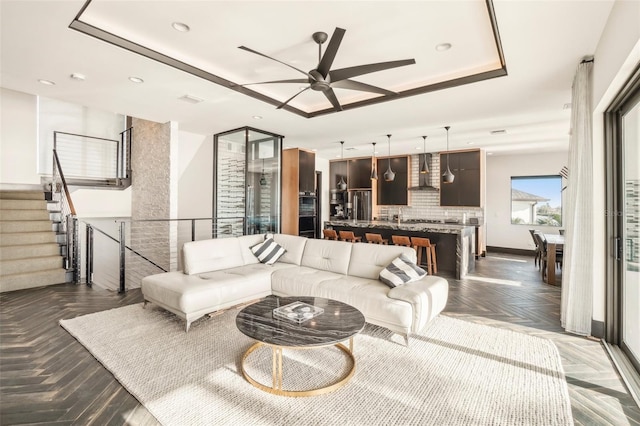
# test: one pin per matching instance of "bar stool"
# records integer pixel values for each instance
(330, 234)
(401, 240)
(375, 238)
(349, 236)
(420, 243)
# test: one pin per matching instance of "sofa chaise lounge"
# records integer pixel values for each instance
(220, 273)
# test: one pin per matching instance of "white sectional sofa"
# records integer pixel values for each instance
(220, 273)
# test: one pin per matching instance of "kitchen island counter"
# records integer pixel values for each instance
(455, 242)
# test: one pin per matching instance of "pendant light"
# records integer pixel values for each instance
(374, 170)
(447, 176)
(389, 175)
(342, 184)
(425, 167)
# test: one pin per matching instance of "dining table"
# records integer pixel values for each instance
(554, 242)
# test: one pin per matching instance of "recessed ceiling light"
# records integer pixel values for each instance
(46, 82)
(337, 156)
(179, 26)
(489, 153)
(314, 149)
(190, 99)
(443, 47)
(77, 76)
(257, 117)
(470, 143)
(136, 80)
(302, 87)
(498, 132)
(417, 147)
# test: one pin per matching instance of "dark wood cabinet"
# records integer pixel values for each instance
(307, 172)
(337, 169)
(393, 193)
(359, 173)
(465, 190)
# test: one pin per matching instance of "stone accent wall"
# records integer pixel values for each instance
(154, 195)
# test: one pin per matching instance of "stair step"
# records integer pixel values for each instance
(24, 215)
(22, 195)
(7, 226)
(7, 204)
(32, 279)
(22, 238)
(29, 251)
(19, 266)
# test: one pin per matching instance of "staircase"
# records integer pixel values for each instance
(30, 253)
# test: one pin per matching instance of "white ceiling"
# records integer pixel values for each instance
(543, 42)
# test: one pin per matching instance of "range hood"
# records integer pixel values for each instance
(425, 179)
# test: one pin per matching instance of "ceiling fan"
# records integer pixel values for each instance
(324, 79)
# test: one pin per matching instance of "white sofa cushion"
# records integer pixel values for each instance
(246, 242)
(212, 255)
(293, 245)
(370, 297)
(327, 255)
(367, 260)
(299, 281)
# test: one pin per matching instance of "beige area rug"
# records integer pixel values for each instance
(454, 373)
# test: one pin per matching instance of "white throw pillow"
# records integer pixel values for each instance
(401, 271)
(268, 252)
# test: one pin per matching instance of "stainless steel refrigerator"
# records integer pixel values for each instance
(359, 205)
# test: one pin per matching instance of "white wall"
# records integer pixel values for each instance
(500, 168)
(18, 138)
(617, 54)
(101, 202)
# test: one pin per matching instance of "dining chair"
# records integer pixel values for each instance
(536, 260)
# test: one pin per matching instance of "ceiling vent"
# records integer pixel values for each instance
(191, 99)
(498, 132)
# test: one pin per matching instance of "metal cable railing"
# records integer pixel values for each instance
(137, 248)
(68, 220)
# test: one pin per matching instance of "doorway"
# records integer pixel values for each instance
(622, 127)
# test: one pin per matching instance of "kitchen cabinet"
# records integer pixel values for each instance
(337, 170)
(465, 191)
(359, 173)
(299, 202)
(393, 193)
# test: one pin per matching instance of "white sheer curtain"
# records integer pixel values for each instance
(577, 269)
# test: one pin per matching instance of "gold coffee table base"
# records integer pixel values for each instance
(276, 387)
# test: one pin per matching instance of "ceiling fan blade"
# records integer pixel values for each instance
(332, 98)
(356, 85)
(291, 98)
(274, 59)
(293, 80)
(330, 54)
(344, 73)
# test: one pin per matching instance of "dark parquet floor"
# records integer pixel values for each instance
(46, 377)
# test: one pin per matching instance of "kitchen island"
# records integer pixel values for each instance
(455, 243)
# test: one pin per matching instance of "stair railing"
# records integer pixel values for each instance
(124, 156)
(69, 221)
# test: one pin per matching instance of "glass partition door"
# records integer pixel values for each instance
(247, 182)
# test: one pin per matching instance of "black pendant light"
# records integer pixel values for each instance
(374, 170)
(389, 176)
(447, 176)
(342, 184)
(425, 167)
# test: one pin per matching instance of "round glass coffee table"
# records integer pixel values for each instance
(336, 323)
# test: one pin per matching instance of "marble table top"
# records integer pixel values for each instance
(337, 323)
(442, 228)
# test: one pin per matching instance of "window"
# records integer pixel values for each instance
(536, 200)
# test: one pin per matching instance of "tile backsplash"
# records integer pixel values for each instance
(426, 204)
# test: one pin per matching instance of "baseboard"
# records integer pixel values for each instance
(597, 329)
(506, 250)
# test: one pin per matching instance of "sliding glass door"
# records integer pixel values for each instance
(623, 151)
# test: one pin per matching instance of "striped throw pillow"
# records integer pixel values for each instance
(401, 271)
(268, 252)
